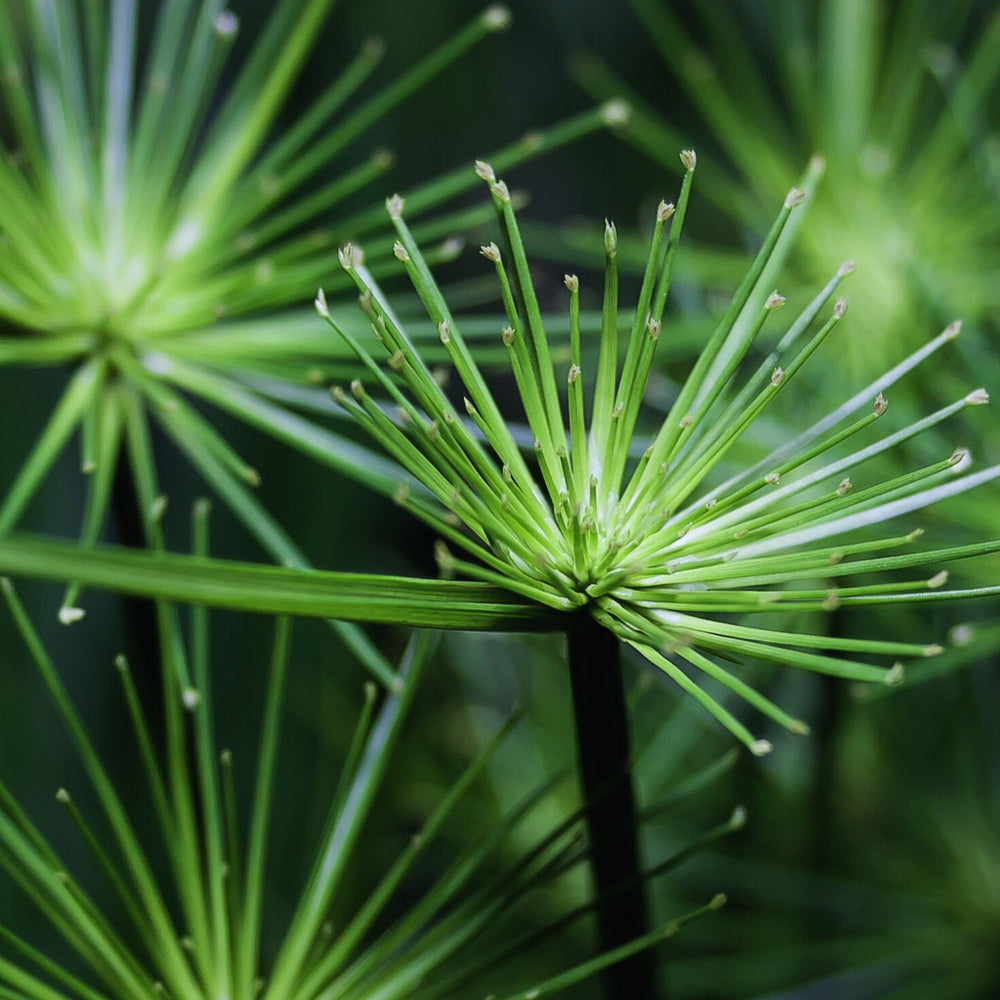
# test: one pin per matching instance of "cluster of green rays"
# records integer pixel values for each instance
(659, 554)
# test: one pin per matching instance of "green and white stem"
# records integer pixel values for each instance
(653, 549)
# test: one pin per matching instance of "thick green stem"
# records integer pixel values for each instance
(605, 760)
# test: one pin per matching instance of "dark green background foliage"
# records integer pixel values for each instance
(870, 866)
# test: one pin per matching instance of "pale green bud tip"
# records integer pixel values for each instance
(400, 252)
(664, 210)
(839, 308)
(321, 307)
(444, 331)
(610, 238)
(616, 112)
(497, 17)
(491, 252)
(738, 818)
(880, 405)
(402, 493)
(572, 283)
(962, 635)
(574, 374)
(777, 375)
(938, 580)
(978, 397)
(933, 649)
(689, 159)
(844, 486)
(799, 728)
(759, 748)
(348, 255)
(62, 796)
(450, 248)
(394, 206)
(794, 197)
(202, 507)
(191, 698)
(508, 336)
(68, 615)
(718, 901)
(774, 301)
(895, 674)
(443, 558)
(226, 758)
(500, 191)
(226, 24)
(915, 534)
(952, 330)
(485, 171)
(383, 159)
(121, 663)
(357, 389)
(772, 479)
(848, 267)
(157, 509)
(469, 408)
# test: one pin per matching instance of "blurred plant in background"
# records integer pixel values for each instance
(140, 221)
(899, 100)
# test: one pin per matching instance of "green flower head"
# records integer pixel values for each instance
(663, 539)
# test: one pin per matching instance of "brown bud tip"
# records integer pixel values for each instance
(574, 374)
(500, 191)
(848, 267)
(774, 301)
(653, 327)
(952, 330)
(394, 206)
(777, 375)
(686, 421)
(772, 479)
(880, 405)
(572, 283)
(794, 197)
(839, 308)
(689, 159)
(664, 210)
(485, 171)
(960, 459)
(400, 252)
(616, 112)
(978, 397)
(444, 331)
(497, 17)
(508, 336)
(491, 252)
(844, 486)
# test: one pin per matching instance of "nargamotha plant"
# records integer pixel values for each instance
(150, 216)
(191, 912)
(665, 543)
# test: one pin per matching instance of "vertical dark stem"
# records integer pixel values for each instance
(605, 760)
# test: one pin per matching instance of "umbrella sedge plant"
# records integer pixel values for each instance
(664, 543)
(650, 553)
(190, 917)
(147, 211)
